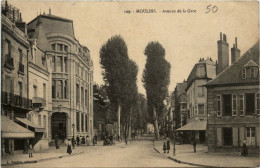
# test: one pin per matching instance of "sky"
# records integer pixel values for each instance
(186, 37)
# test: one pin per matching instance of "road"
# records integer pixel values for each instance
(139, 153)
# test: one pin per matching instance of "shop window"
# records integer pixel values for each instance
(250, 103)
(82, 122)
(227, 136)
(86, 123)
(227, 108)
(250, 136)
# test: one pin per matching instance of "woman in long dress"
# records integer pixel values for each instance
(69, 151)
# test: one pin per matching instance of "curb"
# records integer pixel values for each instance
(179, 161)
(39, 160)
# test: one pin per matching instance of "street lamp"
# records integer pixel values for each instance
(174, 137)
(73, 126)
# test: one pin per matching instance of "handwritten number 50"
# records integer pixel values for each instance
(214, 9)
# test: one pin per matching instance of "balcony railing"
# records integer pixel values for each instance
(21, 67)
(38, 102)
(9, 63)
(16, 100)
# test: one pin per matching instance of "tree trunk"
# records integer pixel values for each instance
(130, 124)
(156, 130)
(126, 126)
(118, 118)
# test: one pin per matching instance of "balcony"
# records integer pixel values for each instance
(38, 102)
(21, 67)
(15, 100)
(9, 63)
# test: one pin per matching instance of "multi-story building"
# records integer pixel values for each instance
(201, 73)
(72, 76)
(15, 102)
(234, 102)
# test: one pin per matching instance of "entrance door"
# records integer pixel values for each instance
(227, 136)
(250, 136)
(58, 125)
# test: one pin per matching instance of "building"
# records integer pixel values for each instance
(71, 73)
(202, 72)
(15, 102)
(234, 103)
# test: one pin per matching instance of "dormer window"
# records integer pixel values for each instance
(201, 70)
(244, 73)
(250, 70)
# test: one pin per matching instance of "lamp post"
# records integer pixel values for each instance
(174, 138)
(73, 126)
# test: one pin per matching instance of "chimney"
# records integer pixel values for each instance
(235, 52)
(223, 53)
(49, 11)
(22, 26)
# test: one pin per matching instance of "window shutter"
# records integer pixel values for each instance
(257, 136)
(241, 135)
(219, 136)
(235, 136)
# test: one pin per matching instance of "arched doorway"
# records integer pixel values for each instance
(58, 125)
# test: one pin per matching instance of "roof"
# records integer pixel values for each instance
(180, 88)
(29, 123)
(9, 129)
(193, 126)
(233, 74)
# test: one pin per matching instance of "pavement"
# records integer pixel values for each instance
(136, 153)
(184, 154)
(44, 155)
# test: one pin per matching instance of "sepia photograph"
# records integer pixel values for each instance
(130, 83)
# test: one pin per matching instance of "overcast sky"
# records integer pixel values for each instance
(186, 37)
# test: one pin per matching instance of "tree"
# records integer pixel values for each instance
(156, 79)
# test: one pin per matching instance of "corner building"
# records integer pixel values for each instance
(72, 76)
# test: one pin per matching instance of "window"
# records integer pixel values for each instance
(227, 108)
(244, 73)
(59, 64)
(8, 84)
(53, 64)
(250, 103)
(20, 89)
(8, 48)
(77, 122)
(44, 91)
(196, 109)
(82, 71)
(250, 136)
(86, 123)
(234, 105)
(219, 110)
(241, 104)
(77, 68)
(66, 90)
(39, 120)
(66, 64)
(227, 136)
(60, 47)
(77, 93)
(35, 91)
(59, 89)
(45, 124)
(82, 96)
(200, 91)
(86, 97)
(86, 76)
(82, 122)
(201, 109)
(66, 48)
(20, 55)
(53, 89)
(200, 70)
(257, 103)
(53, 46)
(254, 72)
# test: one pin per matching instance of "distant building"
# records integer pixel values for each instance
(72, 76)
(234, 102)
(15, 101)
(201, 73)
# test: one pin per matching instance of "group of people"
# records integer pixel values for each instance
(166, 146)
(109, 140)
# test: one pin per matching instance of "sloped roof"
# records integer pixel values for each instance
(180, 88)
(194, 126)
(233, 74)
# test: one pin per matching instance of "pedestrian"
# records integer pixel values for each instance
(83, 140)
(73, 142)
(168, 145)
(244, 150)
(78, 140)
(69, 150)
(164, 147)
(194, 143)
(30, 150)
(57, 142)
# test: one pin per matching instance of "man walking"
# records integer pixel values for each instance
(168, 145)
(194, 145)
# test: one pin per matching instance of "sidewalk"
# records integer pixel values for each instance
(185, 154)
(51, 153)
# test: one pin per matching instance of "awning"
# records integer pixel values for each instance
(31, 124)
(194, 126)
(9, 129)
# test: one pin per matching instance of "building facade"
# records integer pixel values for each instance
(15, 102)
(71, 73)
(234, 104)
